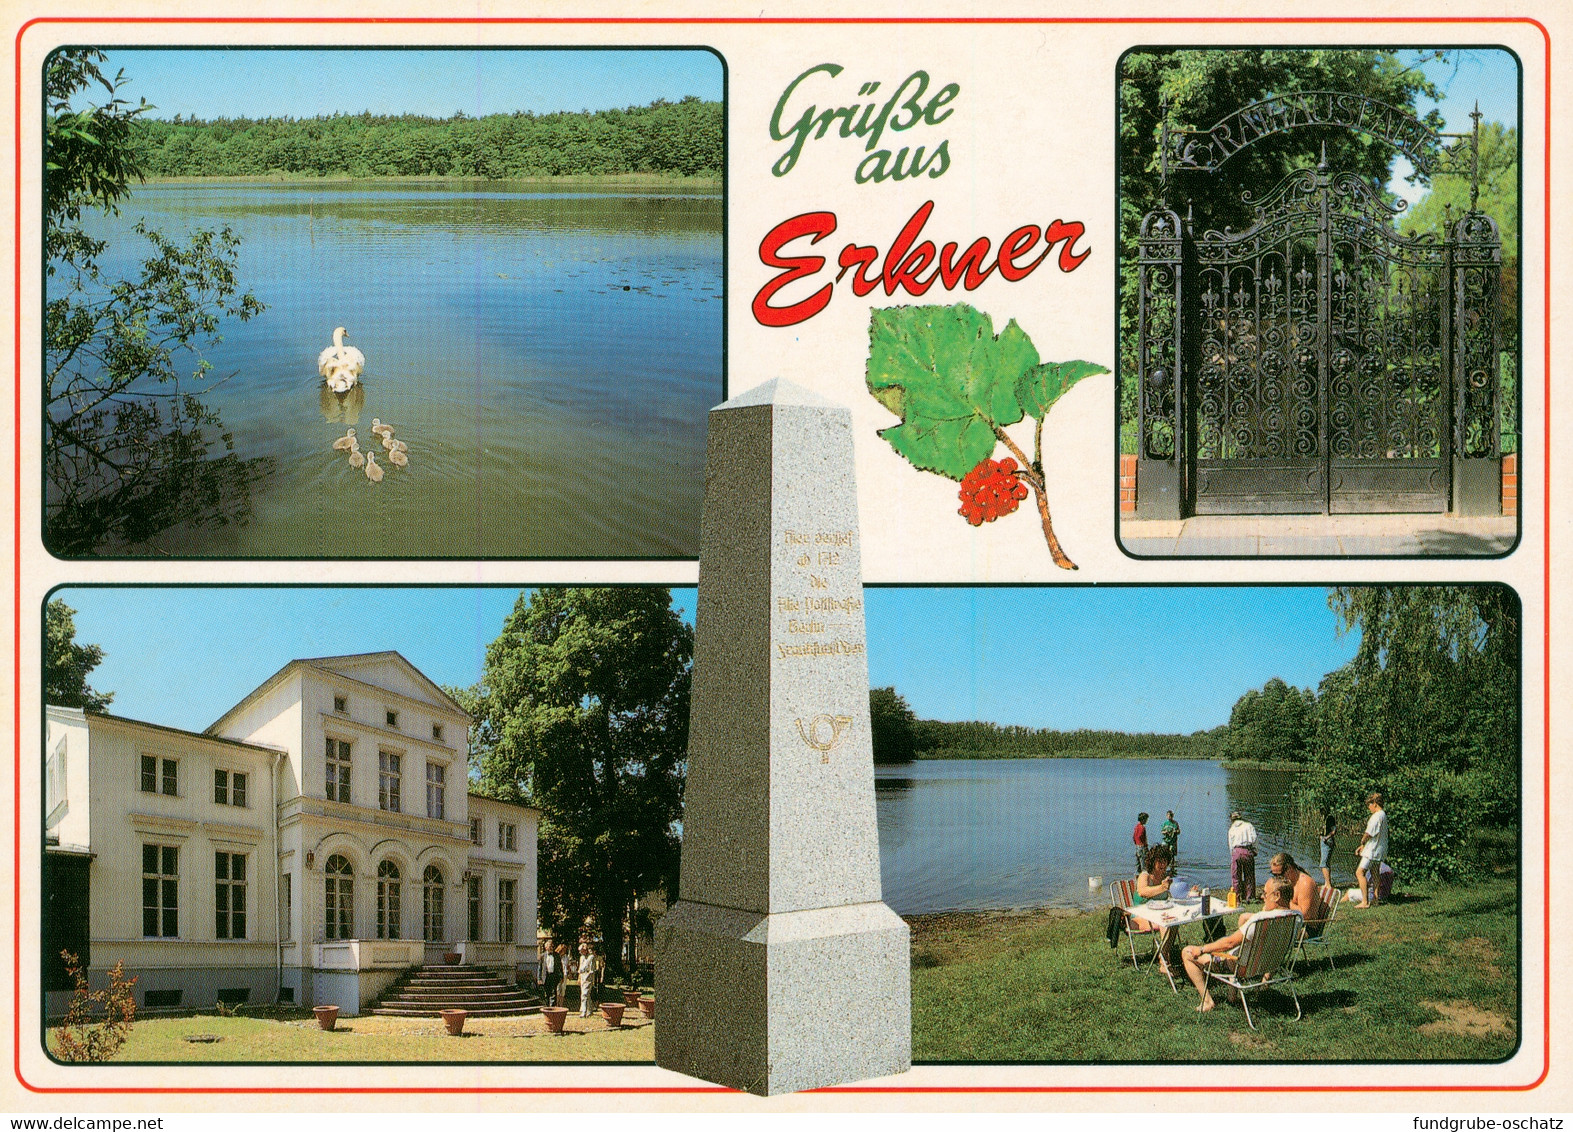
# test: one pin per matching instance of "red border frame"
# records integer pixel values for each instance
(16, 660)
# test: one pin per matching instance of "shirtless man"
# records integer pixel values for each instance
(1275, 902)
(1305, 900)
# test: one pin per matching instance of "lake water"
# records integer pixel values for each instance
(1012, 833)
(548, 356)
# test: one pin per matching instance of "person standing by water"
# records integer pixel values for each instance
(1139, 836)
(1242, 857)
(1329, 839)
(1372, 850)
(1171, 836)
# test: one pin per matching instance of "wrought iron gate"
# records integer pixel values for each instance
(1318, 361)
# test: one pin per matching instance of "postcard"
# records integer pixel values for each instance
(785, 561)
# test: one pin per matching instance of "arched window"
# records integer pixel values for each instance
(339, 898)
(388, 907)
(432, 905)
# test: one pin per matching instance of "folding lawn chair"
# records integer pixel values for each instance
(1122, 894)
(1316, 931)
(1263, 960)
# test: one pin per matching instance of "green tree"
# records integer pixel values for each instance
(1194, 89)
(67, 664)
(1274, 723)
(1427, 711)
(128, 438)
(892, 725)
(583, 712)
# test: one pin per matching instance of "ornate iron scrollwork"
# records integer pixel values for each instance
(1160, 268)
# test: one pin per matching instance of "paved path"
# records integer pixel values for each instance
(1252, 536)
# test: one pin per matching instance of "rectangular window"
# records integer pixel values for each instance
(389, 781)
(476, 838)
(229, 788)
(392, 718)
(473, 890)
(436, 773)
(286, 930)
(338, 772)
(229, 895)
(341, 704)
(506, 900)
(507, 835)
(159, 776)
(436, 731)
(160, 891)
(161, 999)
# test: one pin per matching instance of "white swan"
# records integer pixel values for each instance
(340, 364)
(373, 470)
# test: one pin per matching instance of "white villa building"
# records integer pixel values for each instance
(311, 845)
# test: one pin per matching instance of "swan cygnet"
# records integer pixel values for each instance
(380, 429)
(397, 445)
(347, 442)
(373, 471)
(398, 458)
(340, 364)
(357, 459)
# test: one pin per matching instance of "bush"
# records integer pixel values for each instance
(81, 1037)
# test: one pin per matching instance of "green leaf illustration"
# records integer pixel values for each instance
(951, 380)
(1042, 385)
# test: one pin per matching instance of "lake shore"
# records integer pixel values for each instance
(1433, 975)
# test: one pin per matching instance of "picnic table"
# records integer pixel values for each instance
(1169, 914)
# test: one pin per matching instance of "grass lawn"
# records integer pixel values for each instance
(1430, 976)
(371, 1038)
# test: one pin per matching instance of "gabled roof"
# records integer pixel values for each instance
(344, 665)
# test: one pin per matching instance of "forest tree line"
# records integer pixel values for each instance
(937, 739)
(683, 138)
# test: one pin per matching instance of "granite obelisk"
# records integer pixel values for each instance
(780, 968)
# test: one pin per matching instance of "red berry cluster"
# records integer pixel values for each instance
(990, 490)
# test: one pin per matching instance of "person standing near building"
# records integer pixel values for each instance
(1139, 836)
(551, 973)
(562, 976)
(1372, 850)
(587, 970)
(1171, 835)
(1242, 857)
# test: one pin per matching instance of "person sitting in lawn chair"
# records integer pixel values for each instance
(1276, 896)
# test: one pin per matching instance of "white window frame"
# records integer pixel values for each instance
(507, 909)
(338, 899)
(162, 880)
(390, 781)
(390, 716)
(507, 836)
(341, 704)
(436, 791)
(166, 773)
(434, 883)
(436, 732)
(336, 774)
(232, 889)
(230, 790)
(473, 905)
(478, 831)
(390, 900)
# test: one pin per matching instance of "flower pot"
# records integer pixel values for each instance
(555, 1016)
(630, 998)
(454, 1020)
(326, 1016)
(613, 1013)
(451, 958)
(647, 1006)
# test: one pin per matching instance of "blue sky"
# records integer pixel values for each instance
(1124, 658)
(1489, 76)
(239, 82)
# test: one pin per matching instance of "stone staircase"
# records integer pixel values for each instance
(422, 992)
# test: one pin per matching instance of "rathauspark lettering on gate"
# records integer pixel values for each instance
(908, 266)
